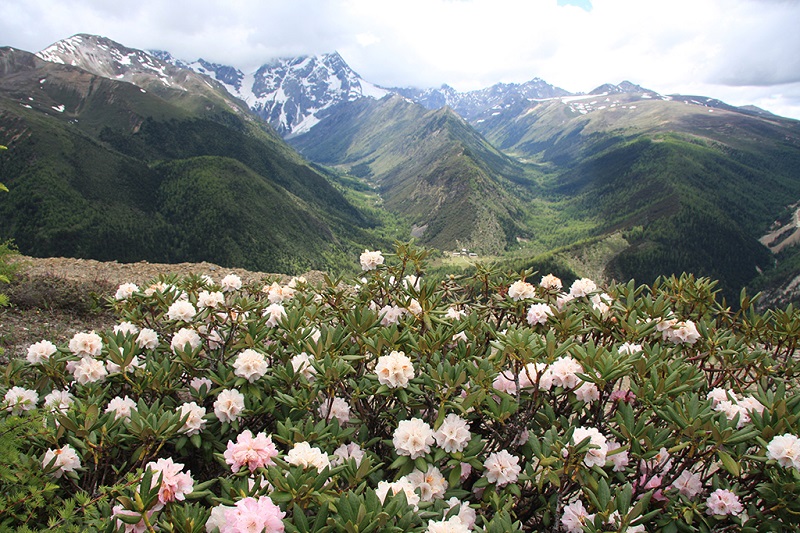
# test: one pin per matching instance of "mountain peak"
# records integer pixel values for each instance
(625, 87)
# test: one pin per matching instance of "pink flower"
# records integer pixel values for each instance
(724, 502)
(502, 468)
(538, 313)
(254, 452)
(40, 352)
(175, 484)
(504, 382)
(259, 515)
(688, 483)
(575, 516)
(620, 460)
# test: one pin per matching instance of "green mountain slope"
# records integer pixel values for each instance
(691, 187)
(104, 169)
(430, 167)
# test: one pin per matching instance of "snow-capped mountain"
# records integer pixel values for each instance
(292, 93)
(106, 58)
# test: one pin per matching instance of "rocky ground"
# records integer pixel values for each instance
(54, 298)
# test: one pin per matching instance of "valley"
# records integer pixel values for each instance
(121, 154)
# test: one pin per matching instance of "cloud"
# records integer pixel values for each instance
(720, 45)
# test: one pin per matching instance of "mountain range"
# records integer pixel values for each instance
(205, 155)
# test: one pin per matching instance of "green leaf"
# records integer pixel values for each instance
(729, 464)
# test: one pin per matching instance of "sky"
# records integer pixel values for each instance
(740, 51)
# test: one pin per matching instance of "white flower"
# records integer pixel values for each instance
(521, 290)
(461, 336)
(371, 260)
(194, 422)
(19, 399)
(686, 333)
(210, 300)
(430, 484)
(598, 445)
(304, 456)
(229, 405)
(113, 367)
(582, 287)
(39, 352)
(550, 282)
(411, 282)
(147, 339)
(346, 452)
(89, 370)
(250, 365)
(86, 344)
(562, 300)
(414, 307)
(126, 328)
(786, 450)
(678, 332)
(749, 403)
(58, 401)
(121, 407)
(502, 468)
(688, 483)
(401, 485)
(64, 459)
(125, 291)
(277, 293)
(718, 394)
(454, 524)
(575, 516)
(601, 302)
(217, 520)
(231, 282)
(453, 435)
(301, 363)
(390, 314)
(413, 438)
(275, 313)
(731, 410)
(181, 310)
(562, 373)
(538, 313)
(156, 287)
(183, 337)
(394, 369)
(465, 512)
(454, 314)
(337, 408)
(628, 348)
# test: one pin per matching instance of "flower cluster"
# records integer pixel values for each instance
(409, 402)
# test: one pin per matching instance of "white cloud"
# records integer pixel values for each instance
(744, 50)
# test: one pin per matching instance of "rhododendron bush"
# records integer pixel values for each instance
(398, 402)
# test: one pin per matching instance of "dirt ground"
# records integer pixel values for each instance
(54, 298)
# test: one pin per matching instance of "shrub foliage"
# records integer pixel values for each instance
(399, 402)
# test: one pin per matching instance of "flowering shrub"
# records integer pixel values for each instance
(485, 403)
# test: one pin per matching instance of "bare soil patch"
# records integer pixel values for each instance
(53, 298)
